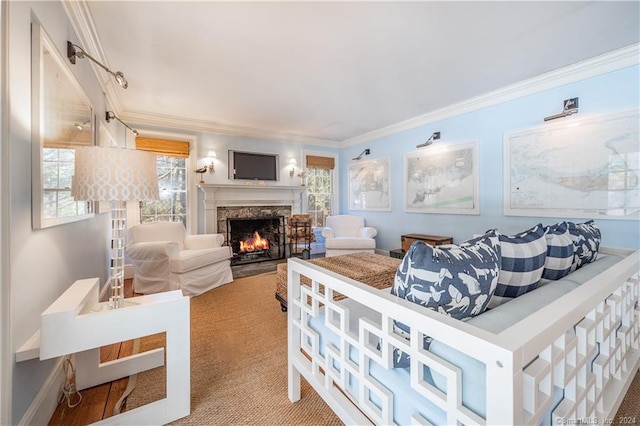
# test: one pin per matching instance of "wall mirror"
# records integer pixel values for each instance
(62, 119)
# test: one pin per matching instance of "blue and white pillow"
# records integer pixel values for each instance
(559, 251)
(456, 280)
(523, 258)
(586, 242)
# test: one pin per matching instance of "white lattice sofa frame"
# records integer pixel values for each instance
(597, 321)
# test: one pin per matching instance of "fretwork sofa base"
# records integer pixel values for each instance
(566, 351)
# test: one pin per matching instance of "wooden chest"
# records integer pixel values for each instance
(433, 240)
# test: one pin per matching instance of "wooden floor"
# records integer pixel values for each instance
(99, 401)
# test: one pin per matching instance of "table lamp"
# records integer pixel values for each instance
(116, 175)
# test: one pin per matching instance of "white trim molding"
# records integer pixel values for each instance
(611, 61)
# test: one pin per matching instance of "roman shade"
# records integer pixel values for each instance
(320, 162)
(166, 147)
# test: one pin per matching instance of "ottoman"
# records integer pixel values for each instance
(372, 269)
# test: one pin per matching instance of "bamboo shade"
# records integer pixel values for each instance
(167, 147)
(320, 162)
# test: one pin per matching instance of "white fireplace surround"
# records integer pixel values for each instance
(221, 195)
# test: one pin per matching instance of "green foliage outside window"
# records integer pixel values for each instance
(319, 194)
(172, 182)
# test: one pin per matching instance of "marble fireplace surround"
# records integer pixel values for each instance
(227, 195)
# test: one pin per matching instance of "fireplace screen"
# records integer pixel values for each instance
(256, 239)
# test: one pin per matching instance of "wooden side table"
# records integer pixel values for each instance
(408, 239)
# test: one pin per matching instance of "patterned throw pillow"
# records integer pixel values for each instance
(559, 251)
(586, 242)
(456, 280)
(523, 257)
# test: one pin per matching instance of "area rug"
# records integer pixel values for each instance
(238, 362)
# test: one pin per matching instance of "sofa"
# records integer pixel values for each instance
(558, 351)
(164, 258)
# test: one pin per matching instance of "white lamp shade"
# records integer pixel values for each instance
(114, 174)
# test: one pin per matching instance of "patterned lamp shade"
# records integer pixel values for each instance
(114, 174)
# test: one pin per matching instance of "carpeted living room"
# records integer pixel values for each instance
(319, 212)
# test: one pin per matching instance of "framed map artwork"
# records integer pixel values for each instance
(576, 168)
(442, 178)
(369, 185)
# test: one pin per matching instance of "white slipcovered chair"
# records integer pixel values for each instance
(347, 234)
(164, 258)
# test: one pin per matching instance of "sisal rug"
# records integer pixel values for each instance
(239, 364)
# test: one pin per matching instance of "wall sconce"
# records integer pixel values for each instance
(365, 152)
(211, 167)
(110, 115)
(293, 163)
(569, 107)
(434, 137)
(75, 51)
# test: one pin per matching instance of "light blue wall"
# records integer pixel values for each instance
(611, 92)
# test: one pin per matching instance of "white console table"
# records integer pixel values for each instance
(77, 323)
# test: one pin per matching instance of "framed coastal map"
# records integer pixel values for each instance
(442, 178)
(577, 168)
(369, 185)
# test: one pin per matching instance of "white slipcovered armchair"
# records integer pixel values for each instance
(165, 258)
(347, 234)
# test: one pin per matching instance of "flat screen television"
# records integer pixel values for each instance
(253, 166)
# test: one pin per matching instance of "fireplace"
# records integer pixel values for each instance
(256, 239)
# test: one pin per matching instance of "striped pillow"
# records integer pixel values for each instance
(586, 242)
(523, 257)
(559, 251)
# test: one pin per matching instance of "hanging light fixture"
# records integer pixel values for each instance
(74, 51)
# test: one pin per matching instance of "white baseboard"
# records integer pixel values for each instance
(44, 404)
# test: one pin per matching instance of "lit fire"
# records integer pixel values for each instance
(254, 244)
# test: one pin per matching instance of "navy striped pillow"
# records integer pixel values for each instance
(559, 251)
(523, 258)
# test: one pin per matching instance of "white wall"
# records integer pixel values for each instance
(604, 94)
(44, 262)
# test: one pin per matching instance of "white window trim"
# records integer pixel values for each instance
(192, 189)
(335, 197)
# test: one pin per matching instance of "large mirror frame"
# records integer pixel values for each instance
(62, 119)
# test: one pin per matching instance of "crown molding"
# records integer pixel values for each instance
(82, 23)
(611, 61)
(192, 124)
(78, 13)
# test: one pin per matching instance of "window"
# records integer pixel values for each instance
(57, 171)
(171, 159)
(319, 188)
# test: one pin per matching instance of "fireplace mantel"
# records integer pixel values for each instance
(226, 195)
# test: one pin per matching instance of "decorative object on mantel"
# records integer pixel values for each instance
(434, 137)
(210, 166)
(116, 175)
(302, 175)
(74, 51)
(569, 107)
(201, 171)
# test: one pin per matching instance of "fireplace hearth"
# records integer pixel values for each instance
(256, 239)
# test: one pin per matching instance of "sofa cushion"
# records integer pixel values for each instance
(188, 260)
(350, 243)
(559, 251)
(586, 241)
(523, 258)
(456, 280)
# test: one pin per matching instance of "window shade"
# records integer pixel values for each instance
(320, 162)
(167, 147)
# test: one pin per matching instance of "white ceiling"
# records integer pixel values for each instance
(332, 71)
